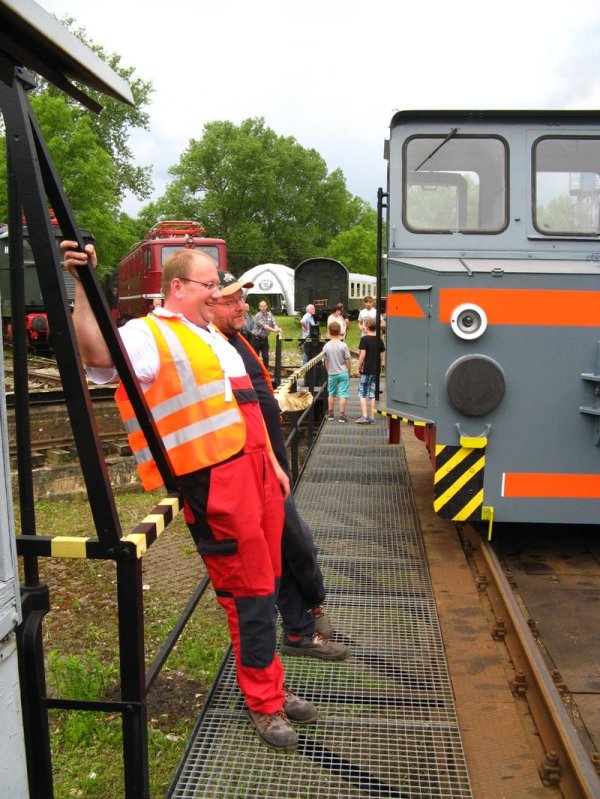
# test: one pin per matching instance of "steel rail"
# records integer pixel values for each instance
(65, 442)
(567, 764)
(56, 396)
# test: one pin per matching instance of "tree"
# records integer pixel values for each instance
(356, 247)
(269, 197)
(440, 207)
(91, 156)
(116, 119)
(557, 215)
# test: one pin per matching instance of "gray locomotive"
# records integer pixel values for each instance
(493, 308)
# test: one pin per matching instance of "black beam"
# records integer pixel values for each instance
(381, 195)
(133, 678)
(21, 389)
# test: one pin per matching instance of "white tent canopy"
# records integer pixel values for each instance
(274, 282)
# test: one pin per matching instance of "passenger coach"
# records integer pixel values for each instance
(493, 308)
(325, 282)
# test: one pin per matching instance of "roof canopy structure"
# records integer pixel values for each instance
(270, 280)
(36, 40)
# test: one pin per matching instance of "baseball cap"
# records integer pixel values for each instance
(231, 284)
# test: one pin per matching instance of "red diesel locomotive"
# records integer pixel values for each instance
(140, 271)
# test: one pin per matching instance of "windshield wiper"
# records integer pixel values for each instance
(439, 147)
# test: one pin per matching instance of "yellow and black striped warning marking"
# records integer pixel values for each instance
(154, 524)
(65, 546)
(411, 422)
(458, 482)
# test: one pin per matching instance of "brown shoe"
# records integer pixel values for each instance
(323, 624)
(315, 646)
(275, 730)
(297, 709)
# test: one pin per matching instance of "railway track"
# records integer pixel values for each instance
(50, 426)
(565, 763)
(55, 396)
(110, 441)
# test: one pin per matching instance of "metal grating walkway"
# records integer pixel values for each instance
(387, 725)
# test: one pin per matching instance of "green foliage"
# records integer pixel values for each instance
(558, 215)
(86, 170)
(202, 652)
(269, 197)
(113, 124)
(356, 247)
(91, 155)
(433, 207)
(79, 677)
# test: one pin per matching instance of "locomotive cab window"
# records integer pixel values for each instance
(566, 185)
(209, 250)
(455, 184)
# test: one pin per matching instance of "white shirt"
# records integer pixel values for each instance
(366, 313)
(143, 352)
(342, 323)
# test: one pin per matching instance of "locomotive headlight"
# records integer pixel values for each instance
(468, 321)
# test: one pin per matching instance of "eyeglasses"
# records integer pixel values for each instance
(208, 286)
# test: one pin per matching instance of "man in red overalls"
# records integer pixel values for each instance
(233, 488)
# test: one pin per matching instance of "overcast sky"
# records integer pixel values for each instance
(331, 73)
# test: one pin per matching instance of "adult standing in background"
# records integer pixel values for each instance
(246, 331)
(337, 315)
(307, 321)
(264, 323)
(367, 312)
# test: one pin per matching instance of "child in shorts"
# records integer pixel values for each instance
(368, 367)
(337, 363)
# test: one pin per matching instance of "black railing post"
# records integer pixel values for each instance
(295, 465)
(133, 677)
(278, 350)
(381, 195)
(21, 390)
(310, 426)
(309, 380)
(35, 605)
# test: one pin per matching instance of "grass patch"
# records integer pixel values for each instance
(290, 326)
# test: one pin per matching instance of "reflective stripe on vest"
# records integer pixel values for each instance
(191, 402)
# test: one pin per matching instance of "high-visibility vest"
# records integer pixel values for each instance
(198, 426)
